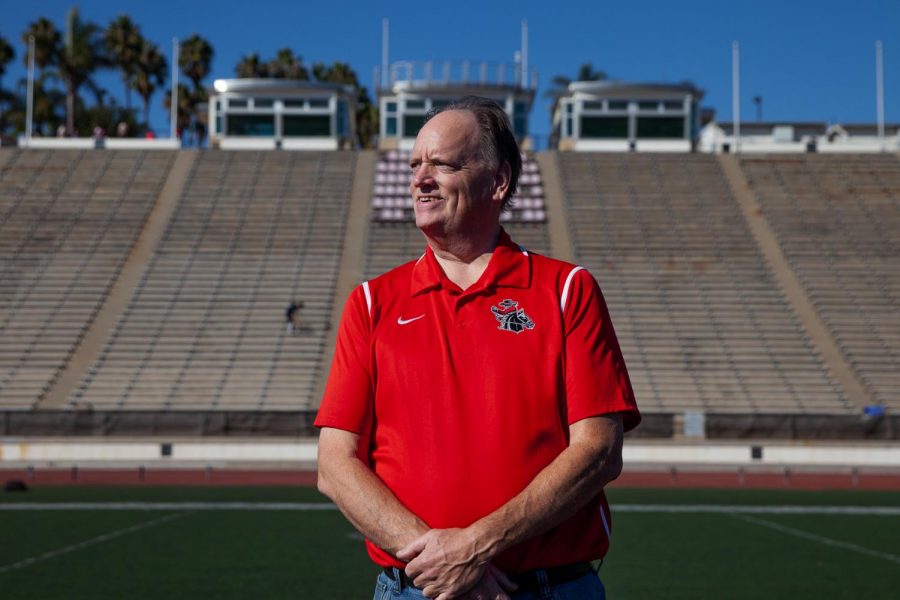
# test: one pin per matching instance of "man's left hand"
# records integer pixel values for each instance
(444, 563)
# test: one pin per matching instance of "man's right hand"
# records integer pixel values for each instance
(494, 585)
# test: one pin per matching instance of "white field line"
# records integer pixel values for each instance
(888, 511)
(818, 538)
(91, 542)
(788, 509)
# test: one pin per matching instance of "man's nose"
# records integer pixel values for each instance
(422, 175)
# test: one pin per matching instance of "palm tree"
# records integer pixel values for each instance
(366, 111)
(123, 42)
(586, 72)
(250, 66)
(150, 75)
(7, 54)
(81, 56)
(366, 119)
(47, 51)
(185, 106)
(338, 72)
(7, 98)
(286, 65)
(195, 59)
(48, 108)
(10, 107)
(47, 43)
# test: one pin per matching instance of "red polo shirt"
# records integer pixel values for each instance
(462, 397)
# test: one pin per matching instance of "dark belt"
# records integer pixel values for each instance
(529, 581)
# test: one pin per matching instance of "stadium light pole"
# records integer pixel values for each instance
(736, 94)
(879, 91)
(385, 40)
(525, 81)
(173, 103)
(29, 102)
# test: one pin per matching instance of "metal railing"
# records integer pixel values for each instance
(457, 72)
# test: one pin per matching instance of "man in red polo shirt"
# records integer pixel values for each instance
(478, 397)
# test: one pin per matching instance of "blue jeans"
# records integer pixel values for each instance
(587, 587)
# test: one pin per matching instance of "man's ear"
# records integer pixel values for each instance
(502, 181)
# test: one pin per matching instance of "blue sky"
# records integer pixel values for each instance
(809, 60)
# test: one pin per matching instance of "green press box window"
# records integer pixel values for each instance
(307, 126)
(251, 125)
(670, 128)
(412, 124)
(604, 127)
(519, 125)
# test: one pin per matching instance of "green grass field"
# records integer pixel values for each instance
(672, 549)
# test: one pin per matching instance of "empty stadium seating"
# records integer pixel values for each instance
(205, 328)
(700, 321)
(67, 222)
(837, 219)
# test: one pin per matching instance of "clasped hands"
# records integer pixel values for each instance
(448, 563)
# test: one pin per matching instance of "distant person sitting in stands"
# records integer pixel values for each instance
(290, 315)
(99, 136)
(122, 129)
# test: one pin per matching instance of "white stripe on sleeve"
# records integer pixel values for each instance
(565, 294)
(605, 524)
(365, 286)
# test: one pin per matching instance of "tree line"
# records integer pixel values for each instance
(67, 62)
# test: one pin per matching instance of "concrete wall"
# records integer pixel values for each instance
(186, 453)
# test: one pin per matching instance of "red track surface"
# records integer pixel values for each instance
(674, 478)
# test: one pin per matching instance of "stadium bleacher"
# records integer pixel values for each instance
(205, 329)
(703, 323)
(67, 222)
(837, 219)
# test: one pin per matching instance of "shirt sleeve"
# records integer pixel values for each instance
(348, 399)
(597, 381)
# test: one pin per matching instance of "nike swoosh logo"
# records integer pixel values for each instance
(402, 321)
